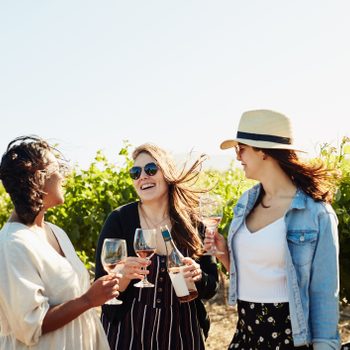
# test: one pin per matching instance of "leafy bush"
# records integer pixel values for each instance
(229, 185)
(89, 197)
(5, 205)
(340, 159)
(93, 193)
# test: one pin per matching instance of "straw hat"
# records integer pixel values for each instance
(263, 128)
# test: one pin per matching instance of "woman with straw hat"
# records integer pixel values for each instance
(282, 247)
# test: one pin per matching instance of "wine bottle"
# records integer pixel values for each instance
(185, 288)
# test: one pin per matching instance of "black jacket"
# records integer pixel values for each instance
(122, 223)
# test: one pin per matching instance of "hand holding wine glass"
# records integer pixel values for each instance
(113, 255)
(211, 211)
(103, 289)
(145, 247)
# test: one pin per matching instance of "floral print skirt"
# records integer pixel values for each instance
(263, 326)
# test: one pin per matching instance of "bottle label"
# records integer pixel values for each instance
(190, 284)
(166, 235)
(179, 282)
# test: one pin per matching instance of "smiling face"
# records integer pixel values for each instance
(149, 188)
(251, 160)
(53, 183)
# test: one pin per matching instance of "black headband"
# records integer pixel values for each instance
(261, 137)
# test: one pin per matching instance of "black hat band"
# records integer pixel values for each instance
(261, 137)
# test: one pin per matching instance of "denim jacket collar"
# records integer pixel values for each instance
(312, 243)
(298, 202)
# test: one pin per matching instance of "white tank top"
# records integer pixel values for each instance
(260, 260)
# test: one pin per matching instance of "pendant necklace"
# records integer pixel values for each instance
(264, 206)
(148, 220)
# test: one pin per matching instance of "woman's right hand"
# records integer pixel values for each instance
(135, 268)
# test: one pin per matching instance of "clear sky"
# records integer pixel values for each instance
(89, 74)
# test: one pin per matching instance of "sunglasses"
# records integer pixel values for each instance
(239, 148)
(150, 169)
(62, 168)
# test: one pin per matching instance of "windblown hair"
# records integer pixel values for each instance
(23, 176)
(315, 179)
(183, 198)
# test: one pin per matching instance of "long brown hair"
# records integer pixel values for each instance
(183, 198)
(315, 179)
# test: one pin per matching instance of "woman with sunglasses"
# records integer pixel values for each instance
(46, 301)
(153, 318)
(282, 247)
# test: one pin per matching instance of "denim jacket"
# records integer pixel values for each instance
(311, 265)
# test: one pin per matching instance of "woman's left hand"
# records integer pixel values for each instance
(192, 269)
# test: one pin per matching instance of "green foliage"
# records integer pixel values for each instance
(90, 266)
(5, 205)
(89, 197)
(229, 185)
(340, 159)
(93, 193)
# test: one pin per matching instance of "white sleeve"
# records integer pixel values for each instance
(22, 292)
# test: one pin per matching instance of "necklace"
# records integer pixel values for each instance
(148, 220)
(264, 206)
(277, 201)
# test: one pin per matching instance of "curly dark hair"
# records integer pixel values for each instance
(22, 171)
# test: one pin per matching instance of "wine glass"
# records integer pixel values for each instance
(113, 257)
(211, 211)
(145, 247)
